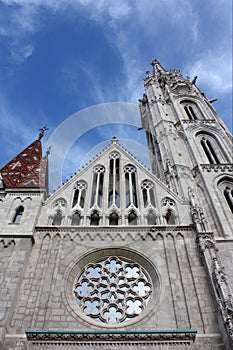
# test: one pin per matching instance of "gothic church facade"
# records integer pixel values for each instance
(121, 257)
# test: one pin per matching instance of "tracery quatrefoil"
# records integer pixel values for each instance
(112, 290)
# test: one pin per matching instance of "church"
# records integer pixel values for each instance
(120, 257)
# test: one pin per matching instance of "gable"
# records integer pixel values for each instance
(114, 188)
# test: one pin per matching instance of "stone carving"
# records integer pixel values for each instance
(198, 215)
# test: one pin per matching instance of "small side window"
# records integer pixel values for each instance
(18, 215)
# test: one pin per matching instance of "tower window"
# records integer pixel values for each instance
(190, 112)
(191, 109)
(209, 151)
(225, 185)
(228, 194)
(18, 215)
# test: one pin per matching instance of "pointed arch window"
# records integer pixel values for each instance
(97, 187)
(18, 215)
(130, 186)
(190, 112)
(170, 218)
(79, 194)
(148, 193)
(226, 187)
(95, 218)
(132, 218)
(113, 219)
(209, 150)
(151, 218)
(169, 211)
(57, 219)
(228, 194)
(191, 109)
(76, 218)
(114, 180)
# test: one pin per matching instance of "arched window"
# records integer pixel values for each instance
(97, 187)
(75, 221)
(209, 151)
(170, 218)
(226, 187)
(228, 194)
(79, 194)
(169, 211)
(191, 110)
(18, 214)
(132, 218)
(114, 180)
(148, 193)
(151, 218)
(130, 185)
(95, 218)
(57, 219)
(113, 219)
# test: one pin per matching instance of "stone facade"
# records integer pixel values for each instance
(120, 257)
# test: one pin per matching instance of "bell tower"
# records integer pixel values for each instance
(188, 142)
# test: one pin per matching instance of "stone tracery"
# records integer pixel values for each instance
(112, 290)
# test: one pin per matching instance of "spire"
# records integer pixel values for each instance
(27, 170)
(157, 67)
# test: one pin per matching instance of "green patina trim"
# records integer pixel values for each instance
(175, 331)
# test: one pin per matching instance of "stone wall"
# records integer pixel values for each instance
(181, 297)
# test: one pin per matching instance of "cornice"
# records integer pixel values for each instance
(114, 229)
(124, 337)
(13, 236)
(217, 167)
(115, 234)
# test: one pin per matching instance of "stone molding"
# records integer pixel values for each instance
(137, 338)
(114, 230)
(151, 234)
(199, 122)
(216, 167)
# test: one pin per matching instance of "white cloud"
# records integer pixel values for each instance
(15, 133)
(214, 71)
(19, 55)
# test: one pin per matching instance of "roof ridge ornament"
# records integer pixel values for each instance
(114, 140)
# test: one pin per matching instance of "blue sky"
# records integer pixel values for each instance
(60, 57)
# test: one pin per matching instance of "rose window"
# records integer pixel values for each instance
(112, 290)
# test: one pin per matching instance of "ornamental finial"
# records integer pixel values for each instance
(114, 139)
(42, 130)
